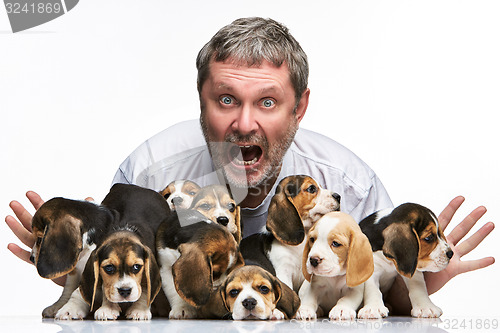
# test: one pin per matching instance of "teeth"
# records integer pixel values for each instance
(240, 162)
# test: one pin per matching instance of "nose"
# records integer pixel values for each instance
(245, 123)
(315, 261)
(32, 258)
(124, 292)
(177, 201)
(249, 303)
(336, 196)
(223, 220)
(449, 254)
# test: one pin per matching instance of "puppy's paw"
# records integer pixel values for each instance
(182, 312)
(306, 313)
(426, 311)
(373, 312)
(277, 315)
(70, 311)
(342, 313)
(51, 311)
(107, 313)
(138, 314)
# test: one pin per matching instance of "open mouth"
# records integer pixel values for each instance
(245, 155)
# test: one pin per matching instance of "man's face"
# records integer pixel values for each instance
(248, 119)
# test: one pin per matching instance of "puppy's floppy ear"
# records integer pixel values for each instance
(90, 285)
(287, 300)
(151, 275)
(237, 221)
(305, 256)
(401, 245)
(192, 274)
(359, 266)
(60, 247)
(283, 218)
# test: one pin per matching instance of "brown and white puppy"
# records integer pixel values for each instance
(122, 271)
(250, 292)
(406, 240)
(180, 193)
(298, 202)
(194, 259)
(337, 261)
(216, 204)
(66, 232)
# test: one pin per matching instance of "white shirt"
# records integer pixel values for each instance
(180, 152)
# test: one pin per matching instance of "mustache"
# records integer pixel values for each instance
(250, 139)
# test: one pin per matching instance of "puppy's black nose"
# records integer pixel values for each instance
(249, 303)
(223, 220)
(336, 196)
(124, 292)
(315, 261)
(32, 258)
(449, 254)
(177, 201)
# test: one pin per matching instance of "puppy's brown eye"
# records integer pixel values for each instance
(166, 195)
(312, 189)
(429, 239)
(109, 269)
(231, 207)
(311, 239)
(336, 244)
(234, 292)
(192, 193)
(264, 290)
(205, 206)
(136, 268)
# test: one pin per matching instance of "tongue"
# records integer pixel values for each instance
(249, 153)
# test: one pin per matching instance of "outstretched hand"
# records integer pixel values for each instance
(456, 266)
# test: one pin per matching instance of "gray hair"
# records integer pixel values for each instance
(249, 41)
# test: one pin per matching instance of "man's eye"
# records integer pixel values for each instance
(268, 103)
(226, 100)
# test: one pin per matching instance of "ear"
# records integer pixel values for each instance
(151, 275)
(60, 247)
(192, 274)
(305, 256)
(302, 105)
(216, 307)
(401, 245)
(359, 266)
(283, 219)
(237, 221)
(287, 300)
(91, 280)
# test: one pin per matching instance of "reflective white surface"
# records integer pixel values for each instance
(392, 324)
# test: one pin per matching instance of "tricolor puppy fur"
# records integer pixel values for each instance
(194, 259)
(250, 292)
(298, 202)
(337, 261)
(216, 204)
(66, 232)
(405, 240)
(121, 273)
(180, 193)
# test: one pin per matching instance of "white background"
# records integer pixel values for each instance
(412, 87)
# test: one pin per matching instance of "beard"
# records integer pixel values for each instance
(225, 153)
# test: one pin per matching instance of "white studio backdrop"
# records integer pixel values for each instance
(412, 87)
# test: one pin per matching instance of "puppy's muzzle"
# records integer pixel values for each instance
(223, 220)
(249, 303)
(177, 201)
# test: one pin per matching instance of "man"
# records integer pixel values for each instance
(252, 83)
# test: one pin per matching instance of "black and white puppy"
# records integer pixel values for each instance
(408, 241)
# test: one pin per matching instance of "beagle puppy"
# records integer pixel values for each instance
(194, 258)
(250, 292)
(337, 261)
(216, 204)
(122, 272)
(180, 193)
(406, 240)
(298, 202)
(66, 232)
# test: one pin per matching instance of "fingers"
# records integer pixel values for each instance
(22, 214)
(20, 253)
(35, 199)
(472, 265)
(24, 235)
(473, 241)
(450, 210)
(466, 225)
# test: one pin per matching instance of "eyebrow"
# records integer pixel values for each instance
(264, 90)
